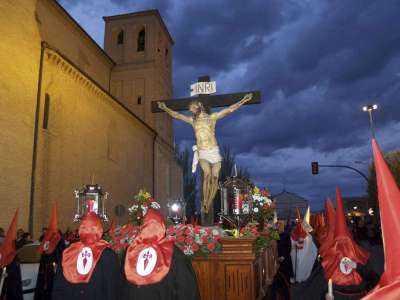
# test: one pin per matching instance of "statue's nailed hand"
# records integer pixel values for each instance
(247, 98)
(161, 105)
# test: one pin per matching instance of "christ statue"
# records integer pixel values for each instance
(206, 150)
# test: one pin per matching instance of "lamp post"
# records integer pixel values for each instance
(369, 108)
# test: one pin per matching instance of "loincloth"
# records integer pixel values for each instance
(211, 155)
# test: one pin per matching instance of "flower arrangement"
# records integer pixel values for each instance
(121, 237)
(263, 207)
(143, 201)
(195, 240)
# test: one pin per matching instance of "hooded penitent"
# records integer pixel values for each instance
(80, 259)
(343, 255)
(7, 249)
(303, 252)
(389, 204)
(328, 235)
(320, 227)
(306, 221)
(52, 237)
(148, 258)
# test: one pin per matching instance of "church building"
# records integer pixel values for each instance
(70, 111)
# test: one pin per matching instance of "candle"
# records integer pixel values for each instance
(330, 292)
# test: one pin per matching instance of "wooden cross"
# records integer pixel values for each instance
(207, 99)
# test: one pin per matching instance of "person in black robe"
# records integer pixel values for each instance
(280, 288)
(344, 262)
(47, 269)
(316, 286)
(154, 268)
(89, 268)
(179, 284)
(12, 287)
(103, 285)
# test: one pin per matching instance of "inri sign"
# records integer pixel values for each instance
(203, 88)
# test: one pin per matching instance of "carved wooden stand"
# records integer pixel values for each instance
(235, 274)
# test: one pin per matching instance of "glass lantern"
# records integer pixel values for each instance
(91, 198)
(236, 202)
(236, 197)
(176, 210)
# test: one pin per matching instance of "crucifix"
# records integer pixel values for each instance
(206, 151)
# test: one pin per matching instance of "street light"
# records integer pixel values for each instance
(369, 108)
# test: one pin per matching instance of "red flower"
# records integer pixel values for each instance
(189, 241)
(170, 230)
(180, 239)
(195, 247)
(204, 239)
(188, 231)
(197, 229)
(265, 193)
(211, 247)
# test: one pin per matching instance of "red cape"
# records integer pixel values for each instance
(52, 236)
(80, 259)
(149, 257)
(7, 249)
(336, 262)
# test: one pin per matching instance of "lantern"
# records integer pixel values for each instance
(235, 197)
(176, 210)
(236, 202)
(91, 198)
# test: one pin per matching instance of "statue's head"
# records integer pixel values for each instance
(196, 107)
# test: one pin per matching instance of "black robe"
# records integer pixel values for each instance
(44, 284)
(316, 285)
(12, 287)
(179, 284)
(103, 285)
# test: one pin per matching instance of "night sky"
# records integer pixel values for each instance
(316, 62)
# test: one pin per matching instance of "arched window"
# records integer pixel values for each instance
(141, 40)
(120, 38)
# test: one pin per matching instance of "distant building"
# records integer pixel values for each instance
(286, 204)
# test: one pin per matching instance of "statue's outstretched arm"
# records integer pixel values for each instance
(233, 107)
(174, 114)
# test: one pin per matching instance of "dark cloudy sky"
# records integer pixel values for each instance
(316, 62)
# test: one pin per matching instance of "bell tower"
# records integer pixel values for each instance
(141, 45)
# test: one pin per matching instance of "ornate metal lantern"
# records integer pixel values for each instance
(236, 202)
(176, 210)
(91, 198)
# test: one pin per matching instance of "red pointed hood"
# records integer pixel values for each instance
(80, 259)
(339, 258)
(7, 249)
(328, 235)
(52, 237)
(148, 258)
(389, 204)
(320, 227)
(298, 232)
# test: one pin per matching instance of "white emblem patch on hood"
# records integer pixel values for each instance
(85, 261)
(146, 262)
(347, 265)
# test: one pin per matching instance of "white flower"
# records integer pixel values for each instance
(144, 209)
(215, 232)
(188, 250)
(155, 205)
(133, 208)
(198, 240)
(255, 209)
